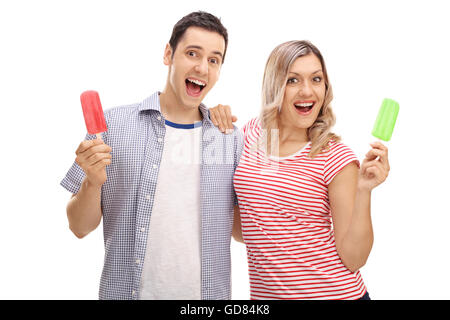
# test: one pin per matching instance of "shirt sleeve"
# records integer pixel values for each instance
(74, 177)
(339, 156)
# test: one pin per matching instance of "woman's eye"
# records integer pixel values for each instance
(292, 80)
(317, 79)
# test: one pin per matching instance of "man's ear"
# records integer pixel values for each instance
(168, 55)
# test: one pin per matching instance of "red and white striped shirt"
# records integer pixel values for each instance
(286, 223)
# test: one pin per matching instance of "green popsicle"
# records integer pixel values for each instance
(384, 125)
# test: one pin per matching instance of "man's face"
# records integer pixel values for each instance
(194, 68)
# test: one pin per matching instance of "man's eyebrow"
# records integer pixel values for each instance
(200, 48)
(317, 71)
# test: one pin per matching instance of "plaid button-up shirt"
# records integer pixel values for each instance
(136, 136)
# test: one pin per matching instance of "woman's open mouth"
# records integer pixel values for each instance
(304, 107)
(194, 87)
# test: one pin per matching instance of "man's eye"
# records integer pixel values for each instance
(191, 53)
(214, 60)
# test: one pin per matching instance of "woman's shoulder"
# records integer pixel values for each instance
(336, 150)
(334, 146)
(252, 125)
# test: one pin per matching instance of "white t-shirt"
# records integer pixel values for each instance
(172, 266)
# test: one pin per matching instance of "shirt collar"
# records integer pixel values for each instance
(153, 103)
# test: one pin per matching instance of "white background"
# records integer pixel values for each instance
(51, 51)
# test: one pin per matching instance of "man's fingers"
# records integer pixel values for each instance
(234, 118)
(97, 157)
(86, 144)
(101, 148)
(99, 165)
(97, 168)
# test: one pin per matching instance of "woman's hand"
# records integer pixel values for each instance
(221, 117)
(375, 167)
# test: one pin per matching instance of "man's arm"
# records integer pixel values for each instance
(84, 208)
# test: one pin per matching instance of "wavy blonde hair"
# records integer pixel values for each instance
(274, 84)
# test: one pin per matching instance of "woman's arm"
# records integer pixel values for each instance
(237, 231)
(350, 194)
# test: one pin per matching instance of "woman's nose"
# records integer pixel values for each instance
(306, 90)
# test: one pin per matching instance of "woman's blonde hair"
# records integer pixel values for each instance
(274, 84)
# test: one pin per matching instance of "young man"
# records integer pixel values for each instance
(162, 180)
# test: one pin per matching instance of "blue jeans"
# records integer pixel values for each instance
(365, 296)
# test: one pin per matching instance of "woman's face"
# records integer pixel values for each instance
(304, 93)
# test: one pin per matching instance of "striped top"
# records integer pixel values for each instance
(287, 225)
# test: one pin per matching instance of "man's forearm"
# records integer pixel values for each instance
(84, 209)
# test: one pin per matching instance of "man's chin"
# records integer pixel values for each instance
(192, 102)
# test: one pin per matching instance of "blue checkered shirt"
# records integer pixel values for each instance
(136, 136)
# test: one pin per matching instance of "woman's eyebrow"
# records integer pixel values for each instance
(298, 74)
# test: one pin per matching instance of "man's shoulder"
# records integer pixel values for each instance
(149, 103)
(121, 110)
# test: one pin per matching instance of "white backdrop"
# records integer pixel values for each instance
(51, 51)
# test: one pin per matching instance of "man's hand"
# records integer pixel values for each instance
(93, 156)
(222, 118)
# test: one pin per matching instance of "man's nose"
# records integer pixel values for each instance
(202, 67)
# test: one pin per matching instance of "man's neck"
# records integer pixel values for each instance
(174, 110)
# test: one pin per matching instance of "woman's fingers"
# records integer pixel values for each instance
(379, 151)
(222, 118)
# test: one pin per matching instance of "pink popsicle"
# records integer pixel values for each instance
(93, 113)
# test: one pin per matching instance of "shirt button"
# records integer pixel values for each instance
(148, 197)
(142, 229)
(138, 261)
(159, 139)
(158, 117)
(133, 293)
(155, 166)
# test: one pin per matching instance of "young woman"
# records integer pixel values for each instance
(304, 199)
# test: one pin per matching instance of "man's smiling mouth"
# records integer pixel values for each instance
(194, 86)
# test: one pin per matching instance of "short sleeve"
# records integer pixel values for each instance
(339, 156)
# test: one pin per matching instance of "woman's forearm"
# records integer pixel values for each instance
(358, 240)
